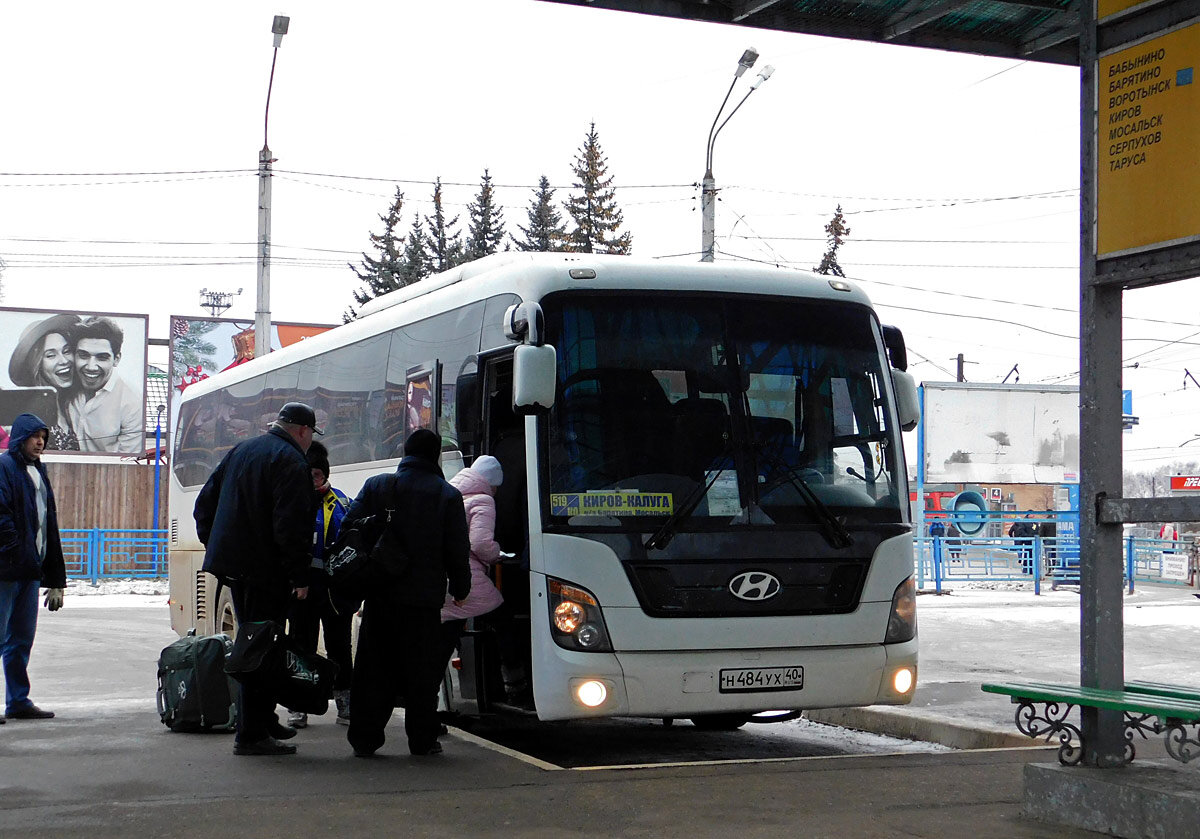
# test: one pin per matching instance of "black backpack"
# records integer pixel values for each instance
(194, 694)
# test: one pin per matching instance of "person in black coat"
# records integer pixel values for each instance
(398, 639)
(255, 519)
(30, 557)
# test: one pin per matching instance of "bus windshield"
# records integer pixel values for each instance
(715, 411)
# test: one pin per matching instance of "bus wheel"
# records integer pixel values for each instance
(720, 722)
(225, 620)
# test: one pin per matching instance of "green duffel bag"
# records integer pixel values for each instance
(194, 692)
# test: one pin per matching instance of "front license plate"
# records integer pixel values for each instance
(762, 679)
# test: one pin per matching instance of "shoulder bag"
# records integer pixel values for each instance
(368, 553)
(266, 658)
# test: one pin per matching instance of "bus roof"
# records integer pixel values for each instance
(532, 276)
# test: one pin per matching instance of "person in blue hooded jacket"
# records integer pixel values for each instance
(30, 558)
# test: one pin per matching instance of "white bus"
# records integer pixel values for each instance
(704, 488)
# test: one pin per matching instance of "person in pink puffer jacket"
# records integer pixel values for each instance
(478, 483)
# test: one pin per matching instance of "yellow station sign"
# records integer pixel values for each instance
(1108, 8)
(1148, 131)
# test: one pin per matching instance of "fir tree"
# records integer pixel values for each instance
(415, 263)
(545, 231)
(381, 273)
(594, 211)
(485, 230)
(445, 246)
(835, 232)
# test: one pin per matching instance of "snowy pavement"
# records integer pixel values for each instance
(976, 632)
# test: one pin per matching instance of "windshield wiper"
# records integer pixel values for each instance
(832, 529)
(663, 536)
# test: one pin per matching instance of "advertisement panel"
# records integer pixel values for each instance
(1000, 434)
(83, 373)
(203, 346)
(1185, 483)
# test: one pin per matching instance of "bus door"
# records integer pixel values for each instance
(488, 425)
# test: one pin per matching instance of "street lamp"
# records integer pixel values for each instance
(262, 313)
(708, 193)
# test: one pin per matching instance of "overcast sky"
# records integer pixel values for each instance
(132, 130)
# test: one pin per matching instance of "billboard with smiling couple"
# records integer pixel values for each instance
(83, 373)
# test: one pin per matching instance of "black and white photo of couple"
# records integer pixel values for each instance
(67, 366)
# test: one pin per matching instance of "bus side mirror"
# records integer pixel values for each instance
(893, 339)
(908, 407)
(535, 377)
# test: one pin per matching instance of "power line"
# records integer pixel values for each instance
(857, 240)
(125, 174)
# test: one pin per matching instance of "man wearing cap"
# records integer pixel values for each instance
(254, 516)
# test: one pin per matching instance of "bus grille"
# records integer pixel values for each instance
(702, 588)
(174, 531)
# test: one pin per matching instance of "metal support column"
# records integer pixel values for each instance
(1102, 627)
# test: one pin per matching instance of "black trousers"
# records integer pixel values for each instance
(398, 652)
(256, 707)
(306, 618)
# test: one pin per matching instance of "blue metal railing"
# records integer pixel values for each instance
(97, 553)
(943, 561)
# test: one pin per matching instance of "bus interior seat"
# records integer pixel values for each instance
(773, 436)
(633, 412)
(699, 434)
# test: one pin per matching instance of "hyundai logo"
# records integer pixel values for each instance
(754, 585)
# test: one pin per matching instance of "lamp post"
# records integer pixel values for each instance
(708, 192)
(262, 312)
(157, 484)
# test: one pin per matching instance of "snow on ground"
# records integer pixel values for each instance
(115, 593)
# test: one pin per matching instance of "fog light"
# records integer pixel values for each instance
(592, 693)
(902, 680)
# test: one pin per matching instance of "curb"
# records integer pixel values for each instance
(907, 726)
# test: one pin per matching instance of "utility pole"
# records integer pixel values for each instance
(216, 301)
(962, 361)
(262, 314)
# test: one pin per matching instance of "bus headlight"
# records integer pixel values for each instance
(575, 619)
(902, 623)
(902, 680)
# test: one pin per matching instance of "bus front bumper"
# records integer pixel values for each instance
(696, 682)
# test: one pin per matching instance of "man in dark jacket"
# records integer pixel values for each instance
(254, 516)
(30, 557)
(398, 639)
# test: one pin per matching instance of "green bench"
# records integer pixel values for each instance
(1152, 707)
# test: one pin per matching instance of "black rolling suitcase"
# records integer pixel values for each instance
(194, 694)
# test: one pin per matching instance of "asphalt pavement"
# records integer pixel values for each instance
(105, 767)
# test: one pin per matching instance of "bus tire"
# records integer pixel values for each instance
(720, 722)
(224, 618)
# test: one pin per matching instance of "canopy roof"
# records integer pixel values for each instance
(1033, 30)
